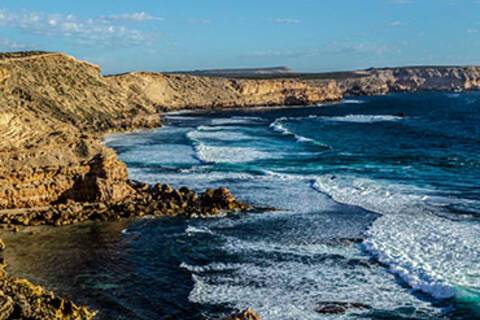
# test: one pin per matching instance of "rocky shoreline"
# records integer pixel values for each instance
(55, 170)
(157, 201)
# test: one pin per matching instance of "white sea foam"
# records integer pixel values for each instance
(278, 127)
(182, 118)
(432, 254)
(203, 132)
(364, 118)
(292, 289)
(197, 180)
(352, 101)
(192, 230)
(235, 120)
(217, 154)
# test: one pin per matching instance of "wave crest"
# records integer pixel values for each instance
(431, 253)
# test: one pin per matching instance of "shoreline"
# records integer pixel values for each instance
(53, 158)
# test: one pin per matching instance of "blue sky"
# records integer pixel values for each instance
(306, 35)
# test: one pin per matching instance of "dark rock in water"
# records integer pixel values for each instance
(248, 314)
(340, 307)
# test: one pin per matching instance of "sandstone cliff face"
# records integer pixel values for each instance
(51, 110)
(382, 81)
(172, 92)
(54, 110)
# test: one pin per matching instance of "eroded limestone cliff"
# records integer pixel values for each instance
(180, 91)
(410, 79)
(52, 109)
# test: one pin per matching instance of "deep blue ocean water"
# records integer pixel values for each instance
(378, 203)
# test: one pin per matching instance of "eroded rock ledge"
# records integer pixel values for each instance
(145, 200)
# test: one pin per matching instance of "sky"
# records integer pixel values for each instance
(305, 35)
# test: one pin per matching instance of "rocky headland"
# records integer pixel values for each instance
(410, 79)
(55, 170)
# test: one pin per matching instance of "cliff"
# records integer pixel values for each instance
(410, 79)
(181, 91)
(54, 110)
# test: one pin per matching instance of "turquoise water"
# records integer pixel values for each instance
(378, 203)
(397, 174)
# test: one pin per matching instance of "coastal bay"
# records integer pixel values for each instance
(55, 111)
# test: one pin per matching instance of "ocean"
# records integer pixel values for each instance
(377, 204)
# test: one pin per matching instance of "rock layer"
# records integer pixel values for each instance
(179, 91)
(410, 79)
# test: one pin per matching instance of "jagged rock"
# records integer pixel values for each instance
(6, 306)
(143, 200)
(339, 307)
(248, 314)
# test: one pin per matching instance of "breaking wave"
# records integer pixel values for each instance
(278, 127)
(429, 252)
(363, 118)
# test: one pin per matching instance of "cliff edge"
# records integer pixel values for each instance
(54, 110)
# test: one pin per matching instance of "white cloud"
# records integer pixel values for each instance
(363, 47)
(87, 31)
(7, 44)
(472, 30)
(396, 23)
(135, 16)
(286, 21)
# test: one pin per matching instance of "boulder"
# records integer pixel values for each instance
(248, 314)
(339, 307)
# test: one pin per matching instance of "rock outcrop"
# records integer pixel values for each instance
(158, 200)
(248, 314)
(53, 110)
(410, 79)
